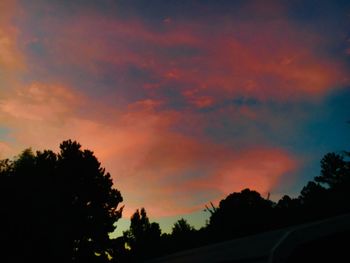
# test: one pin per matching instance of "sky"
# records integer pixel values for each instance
(183, 102)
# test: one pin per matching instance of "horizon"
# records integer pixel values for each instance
(182, 102)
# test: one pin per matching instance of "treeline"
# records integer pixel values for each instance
(245, 213)
(62, 207)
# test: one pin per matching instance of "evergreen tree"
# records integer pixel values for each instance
(57, 207)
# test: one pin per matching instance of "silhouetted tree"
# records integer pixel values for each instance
(58, 207)
(241, 214)
(9, 223)
(312, 193)
(120, 252)
(88, 203)
(287, 212)
(183, 235)
(329, 194)
(182, 228)
(288, 203)
(333, 170)
(143, 237)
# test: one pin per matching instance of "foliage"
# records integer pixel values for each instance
(241, 213)
(143, 236)
(57, 207)
(333, 170)
(182, 228)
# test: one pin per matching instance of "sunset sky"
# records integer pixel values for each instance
(183, 102)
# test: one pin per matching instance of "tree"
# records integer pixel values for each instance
(312, 193)
(143, 237)
(88, 203)
(183, 236)
(288, 203)
(333, 170)
(182, 228)
(8, 220)
(287, 211)
(241, 214)
(330, 192)
(61, 207)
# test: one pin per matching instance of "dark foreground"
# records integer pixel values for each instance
(321, 241)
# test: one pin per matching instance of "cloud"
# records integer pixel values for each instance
(165, 171)
(11, 58)
(228, 57)
(40, 102)
(187, 177)
(5, 150)
(180, 109)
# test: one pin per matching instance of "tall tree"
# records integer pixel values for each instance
(61, 207)
(333, 170)
(88, 202)
(143, 237)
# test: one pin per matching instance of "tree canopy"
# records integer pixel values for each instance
(57, 207)
(143, 237)
(333, 170)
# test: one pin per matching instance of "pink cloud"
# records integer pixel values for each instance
(11, 58)
(6, 150)
(257, 168)
(153, 163)
(155, 167)
(40, 102)
(182, 179)
(274, 60)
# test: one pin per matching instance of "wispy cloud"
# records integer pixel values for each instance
(181, 105)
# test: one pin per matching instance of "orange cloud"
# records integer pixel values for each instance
(39, 102)
(258, 168)
(181, 176)
(193, 65)
(266, 66)
(5, 150)
(274, 60)
(198, 101)
(165, 171)
(10, 55)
